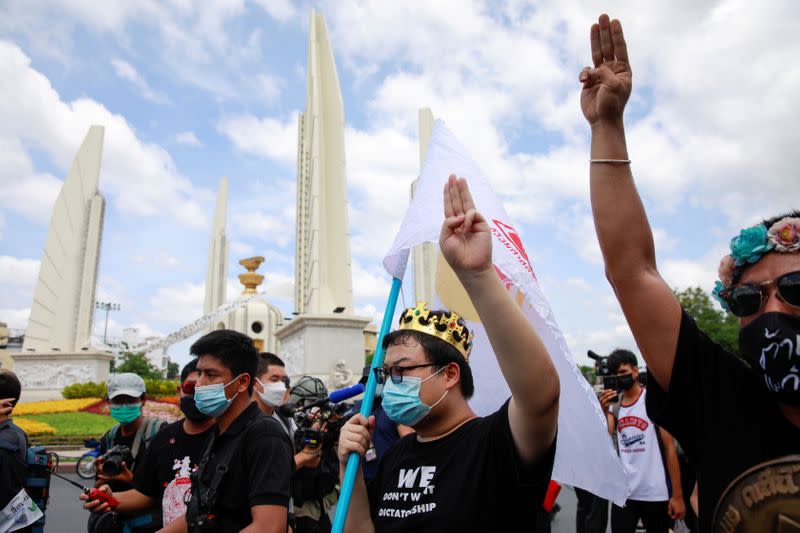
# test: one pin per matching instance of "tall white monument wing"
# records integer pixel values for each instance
(323, 280)
(217, 253)
(63, 303)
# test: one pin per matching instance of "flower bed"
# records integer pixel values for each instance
(53, 406)
(34, 427)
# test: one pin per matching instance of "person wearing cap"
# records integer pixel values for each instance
(459, 471)
(162, 474)
(126, 397)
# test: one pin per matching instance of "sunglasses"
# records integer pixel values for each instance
(747, 299)
(187, 387)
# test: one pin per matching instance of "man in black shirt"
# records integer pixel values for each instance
(242, 483)
(162, 478)
(737, 419)
(459, 472)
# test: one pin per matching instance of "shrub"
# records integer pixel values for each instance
(160, 387)
(85, 390)
(155, 388)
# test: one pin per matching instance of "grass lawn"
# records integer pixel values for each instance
(76, 424)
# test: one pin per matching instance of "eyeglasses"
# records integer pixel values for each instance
(116, 404)
(747, 299)
(187, 387)
(395, 372)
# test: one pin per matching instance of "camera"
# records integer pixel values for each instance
(113, 459)
(600, 364)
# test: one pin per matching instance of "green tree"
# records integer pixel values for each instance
(589, 373)
(173, 370)
(720, 326)
(138, 363)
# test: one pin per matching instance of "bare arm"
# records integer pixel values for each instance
(623, 231)
(523, 358)
(267, 518)
(676, 506)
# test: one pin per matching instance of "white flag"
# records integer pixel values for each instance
(20, 512)
(585, 455)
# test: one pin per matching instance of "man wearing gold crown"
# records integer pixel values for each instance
(459, 472)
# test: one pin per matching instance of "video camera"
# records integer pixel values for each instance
(113, 459)
(600, 364)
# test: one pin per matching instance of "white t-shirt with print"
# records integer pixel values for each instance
(640, 454)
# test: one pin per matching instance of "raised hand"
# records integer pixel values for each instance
(607, 86)
(465, 240)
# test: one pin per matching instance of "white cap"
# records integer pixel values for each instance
(127, 383)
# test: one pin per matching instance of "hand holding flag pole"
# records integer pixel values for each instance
(366, 408)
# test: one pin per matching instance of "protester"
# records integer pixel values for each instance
(459, 472)
(242, 482)
(733, 416)
(271, 389)
(162, 477)
(647, 453)
(133, 431)
(13, 442)
(385, 434)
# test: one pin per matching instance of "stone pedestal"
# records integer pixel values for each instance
(43, 375)
(327, 346)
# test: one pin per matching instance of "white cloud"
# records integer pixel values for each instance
(268, 228)
(239, 248)
(270, 87)
(177, 305)
(189, 139)
(15, 318)
(267, 137)
(282, 10)
(141, 177)
(126, 71)
(19, 280)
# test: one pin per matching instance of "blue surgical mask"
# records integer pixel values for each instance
(211, 400)
(402, 403)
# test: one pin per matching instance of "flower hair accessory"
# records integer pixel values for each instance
(750, 246)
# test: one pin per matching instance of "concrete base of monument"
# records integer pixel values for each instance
(44, 375)
(326, 346)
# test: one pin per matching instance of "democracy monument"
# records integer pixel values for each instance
(325, 338)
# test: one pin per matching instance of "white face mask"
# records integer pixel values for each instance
(273, 393)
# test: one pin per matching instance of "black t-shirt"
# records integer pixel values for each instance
(721, 413)
(163, 471)
(470, 480)
(259, 473)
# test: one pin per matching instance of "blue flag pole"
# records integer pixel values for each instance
(366, 408)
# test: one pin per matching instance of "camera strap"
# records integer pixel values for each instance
(207, 495)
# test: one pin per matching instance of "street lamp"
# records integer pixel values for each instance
(107, 306)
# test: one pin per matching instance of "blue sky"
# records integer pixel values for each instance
(189, 92)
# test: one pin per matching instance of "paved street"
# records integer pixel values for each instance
(64, 512)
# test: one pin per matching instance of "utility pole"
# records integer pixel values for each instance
(107, 306)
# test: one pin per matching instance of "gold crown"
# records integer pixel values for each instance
(445, 325)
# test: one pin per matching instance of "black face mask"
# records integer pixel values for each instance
(771, 343)
(625, 381)
(191, 411)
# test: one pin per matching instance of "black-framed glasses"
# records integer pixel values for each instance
(396, 372)
(187, 387)
(746, 299)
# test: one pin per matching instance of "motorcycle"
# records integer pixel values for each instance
(85, 467)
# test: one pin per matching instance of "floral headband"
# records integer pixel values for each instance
(750, 246)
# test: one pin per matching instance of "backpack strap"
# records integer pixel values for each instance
(147, 429)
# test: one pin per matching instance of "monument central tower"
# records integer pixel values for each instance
(323, 279)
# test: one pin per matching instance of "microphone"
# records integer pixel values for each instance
(289, 409)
